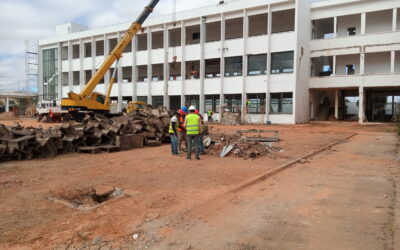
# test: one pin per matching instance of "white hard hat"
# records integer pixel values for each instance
(192, 108)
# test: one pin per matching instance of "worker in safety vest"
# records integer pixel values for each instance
(181, 129)
(193, 127)
(209, 115)
(173, 134)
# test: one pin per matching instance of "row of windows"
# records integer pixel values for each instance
(280, 103)
(281, 62)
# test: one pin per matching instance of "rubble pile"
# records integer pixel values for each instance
(242, 146)
(97, 133)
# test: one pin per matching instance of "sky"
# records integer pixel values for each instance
(33, 20)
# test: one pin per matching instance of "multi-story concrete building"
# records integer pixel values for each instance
(279, 61)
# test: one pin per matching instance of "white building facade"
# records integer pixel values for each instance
(271, 60)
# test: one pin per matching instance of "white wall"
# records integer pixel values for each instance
(379, 21)
(342, 61)
(377, 63)
(345, 22)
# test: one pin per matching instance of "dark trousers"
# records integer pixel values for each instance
(192, 140)
(174, 144)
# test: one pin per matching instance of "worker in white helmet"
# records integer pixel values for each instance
(193, 127)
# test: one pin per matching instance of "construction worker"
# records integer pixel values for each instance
(193, 126)
(181, 129)
(173, 134)
(201, 145)
(209, 115)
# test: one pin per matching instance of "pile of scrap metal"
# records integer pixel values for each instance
(95, 134)
(246, 144)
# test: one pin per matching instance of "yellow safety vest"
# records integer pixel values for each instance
(171, 130)
(192, 124)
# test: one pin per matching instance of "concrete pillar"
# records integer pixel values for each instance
(202, 63)
(106, 47)
(60, 70)
(337, 104)
(267, 95)
(149, 66)
(93, 48)
(134, 69)
(70, 72)
(82, 80)
(335, 26)
(222, 66)
(395, 13)
(363, 22)
(120, 78)
(334, 66)
(183, 64)
(245, 62)
(166, 66)
(392, 61)
(361, 108)
(362, 63)
(7, 104)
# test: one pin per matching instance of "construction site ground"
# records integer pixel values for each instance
(345, 197)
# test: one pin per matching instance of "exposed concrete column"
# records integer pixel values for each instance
(202, 63)
(149, 66)
(93, 48)
(70, 72)
(222, 67)
(362, 63)
(183, 64)
(245, 62)
(334, 66)
(363, 22)
(60, 70)
(361, 108)
(134, 69)
(120, 78)
(267, 94)
(337, 104)
(394, 26)
(166, 66)
(7, 104)
(82, 80)
(107, 76)
(335, 26)
(392, 61)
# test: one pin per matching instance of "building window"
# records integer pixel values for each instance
(282, 62)
(193, 100)
(50, 74)
(281, 103)
(257, 65)
(212, 103)
(233, 103)
(255, 103)
(213, 68)
(233, 66)
(157, 101)
(142, 99)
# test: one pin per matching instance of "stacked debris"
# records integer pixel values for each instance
(241, 144)
(95, 134)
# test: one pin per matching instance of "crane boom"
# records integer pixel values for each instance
(81, 101)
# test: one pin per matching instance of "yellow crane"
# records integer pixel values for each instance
(87, 100)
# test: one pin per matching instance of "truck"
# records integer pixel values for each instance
(50, 111)
(77, 104)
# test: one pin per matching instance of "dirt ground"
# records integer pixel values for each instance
(344, 198)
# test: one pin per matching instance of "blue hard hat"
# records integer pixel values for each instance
(184, 109)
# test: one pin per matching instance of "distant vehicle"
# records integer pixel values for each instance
(50, 111)
(136, 106)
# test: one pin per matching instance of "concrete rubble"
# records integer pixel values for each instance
(94, 134)
(246, 144)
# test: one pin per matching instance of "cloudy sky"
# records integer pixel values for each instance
(36, 19)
